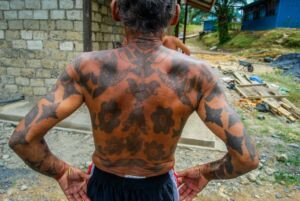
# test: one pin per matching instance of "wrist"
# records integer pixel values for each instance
(204, 171)
(62, 172)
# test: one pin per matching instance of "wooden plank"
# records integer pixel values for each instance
(276, 108)
(251, 85)
(241, 92)
(241, 78)
(295, 109)
(270, 96)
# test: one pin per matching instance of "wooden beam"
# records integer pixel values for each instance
(87, 26)
(185, 21)
(177, 26)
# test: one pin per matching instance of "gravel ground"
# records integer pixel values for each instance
(19, 183)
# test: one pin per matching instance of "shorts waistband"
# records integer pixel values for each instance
(103, 177)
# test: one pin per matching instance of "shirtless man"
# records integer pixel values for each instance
(139, 97)
(174, 43)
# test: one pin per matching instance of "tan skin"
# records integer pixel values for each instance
(139, 98)
(174, 43)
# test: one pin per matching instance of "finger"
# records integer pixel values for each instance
(185, 194)
(180, 181)
(73, 189)
(77, 196)
(70, 197)
(83, 195)
(191, 196)
(182, 189)
(192, 184)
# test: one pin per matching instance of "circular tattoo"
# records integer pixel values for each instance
(162, 120)
(109, 116)
(114, 145)
(154, 151)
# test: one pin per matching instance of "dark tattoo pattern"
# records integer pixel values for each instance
(213, 115)
(179, 82)
(215, 93)
(19, 137)
(31, 116)
(154, 151)
(177, 132)
(234, 142)
(114, 145)
(109, 116)
(38, 164)
(142, 91)
(137, 118)
(68, 84)
(49, 111)
(162, 120)
(228, 165)
(233, 119)
(134, 143)
(249, 145)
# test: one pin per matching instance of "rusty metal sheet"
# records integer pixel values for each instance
(204, 5)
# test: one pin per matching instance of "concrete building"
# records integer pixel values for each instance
(39, 37)
(270, 14)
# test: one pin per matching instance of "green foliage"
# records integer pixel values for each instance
(225, 12)
(210, 39)
(288, 82)
(287, 177)
(293, 40)
(241, 41)
(257, 44)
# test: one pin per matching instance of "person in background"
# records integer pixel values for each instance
(175, 43)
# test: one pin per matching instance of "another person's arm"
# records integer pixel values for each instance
(182, 46)
(224, 122)
(28, 138)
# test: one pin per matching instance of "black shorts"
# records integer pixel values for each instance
(104, 186)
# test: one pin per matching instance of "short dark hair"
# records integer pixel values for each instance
(146, 15)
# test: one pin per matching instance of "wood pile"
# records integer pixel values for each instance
(254, 92)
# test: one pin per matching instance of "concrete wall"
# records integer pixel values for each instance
(104, 29)
(37, 39)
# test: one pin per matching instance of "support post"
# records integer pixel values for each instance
(185, 21)
(87, 26)
(177, 26)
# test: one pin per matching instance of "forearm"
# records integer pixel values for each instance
(38, 157)
(228, 167)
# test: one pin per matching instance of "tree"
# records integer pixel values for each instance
(224, 10)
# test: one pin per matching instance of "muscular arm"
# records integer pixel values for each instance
(28, 138)
(226, 124)
(182, 46)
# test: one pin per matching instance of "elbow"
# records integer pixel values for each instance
(249, 163)
(13, 142)
(16, 140)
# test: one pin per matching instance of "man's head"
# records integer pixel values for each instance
(146, 16)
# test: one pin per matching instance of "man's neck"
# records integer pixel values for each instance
(148, 39)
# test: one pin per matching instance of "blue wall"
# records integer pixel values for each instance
(209, 25)
(260, 24)
(289, 14)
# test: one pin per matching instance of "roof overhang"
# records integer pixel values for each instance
(205, 5)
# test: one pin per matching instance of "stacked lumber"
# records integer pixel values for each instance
(277, 103)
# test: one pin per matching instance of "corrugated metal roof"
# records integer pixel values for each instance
(204, 5)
